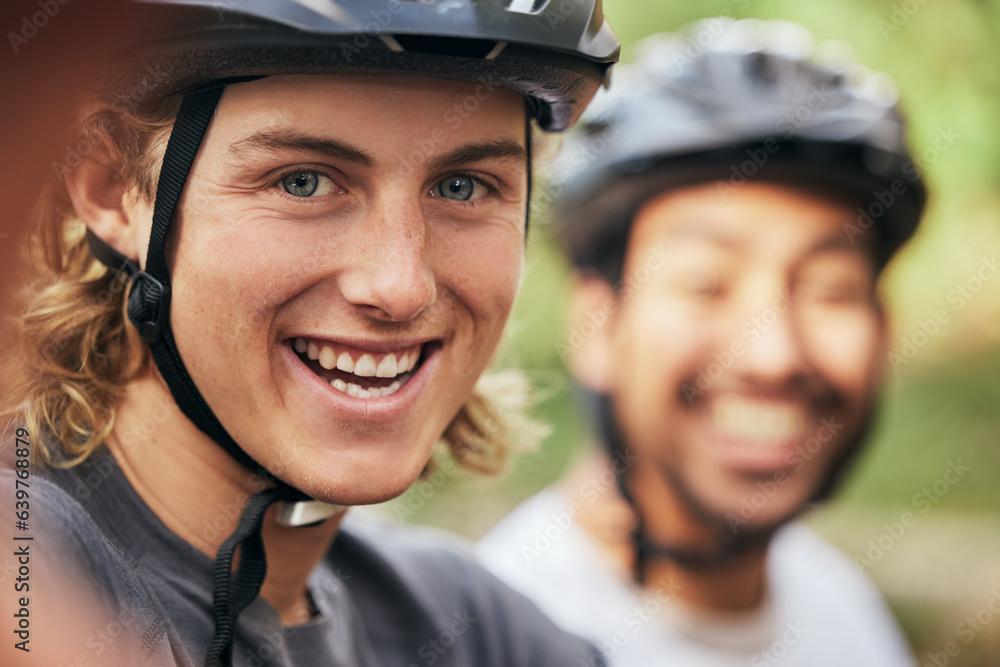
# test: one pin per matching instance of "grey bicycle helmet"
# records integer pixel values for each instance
(555, 53)
(729, 101)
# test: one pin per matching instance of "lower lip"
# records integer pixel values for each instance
(750, 456)
(381, 409)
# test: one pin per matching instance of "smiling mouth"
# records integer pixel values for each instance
(359, 373)
(757, 422)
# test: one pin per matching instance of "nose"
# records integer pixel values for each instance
(390, 277)
(774, 347)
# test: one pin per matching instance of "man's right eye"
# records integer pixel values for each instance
(307, 183)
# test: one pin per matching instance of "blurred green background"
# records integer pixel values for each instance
(942, 406)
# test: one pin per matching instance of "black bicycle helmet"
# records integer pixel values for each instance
(730, 101)
(557, 54)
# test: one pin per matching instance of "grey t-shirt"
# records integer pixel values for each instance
(385, 596)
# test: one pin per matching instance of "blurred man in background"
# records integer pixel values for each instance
(728, 208)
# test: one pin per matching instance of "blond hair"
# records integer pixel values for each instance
(76, 350)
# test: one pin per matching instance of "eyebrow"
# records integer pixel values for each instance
(704, 230)
(836, 242)
(502, 149)
(280, 140)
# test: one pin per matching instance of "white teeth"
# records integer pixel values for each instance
(393, 365)
(387, 367)
(345, 363)
(355, 390)
(757, 420)
(365, 367)
(327, 358)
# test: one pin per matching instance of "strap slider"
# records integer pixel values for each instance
(145, 286)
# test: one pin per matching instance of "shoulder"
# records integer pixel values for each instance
(73, 566)
(427, 579)
(811, 578)
(798, 553)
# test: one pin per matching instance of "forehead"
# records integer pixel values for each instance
(391, 108)
(772, 221)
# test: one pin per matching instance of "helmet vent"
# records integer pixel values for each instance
(525, 6)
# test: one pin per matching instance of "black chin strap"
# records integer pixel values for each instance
(646, 549)
(149, 311)
(232, 593)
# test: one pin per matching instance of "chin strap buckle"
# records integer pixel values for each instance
(306, 512)
(149, 306)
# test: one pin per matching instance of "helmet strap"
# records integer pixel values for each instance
(149, 311)
(645, 548)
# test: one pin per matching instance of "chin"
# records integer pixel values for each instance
(360, 477)
(757, 508)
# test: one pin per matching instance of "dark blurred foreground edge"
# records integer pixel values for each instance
(48, 55)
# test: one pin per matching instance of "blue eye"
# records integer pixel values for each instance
(459, 188)
(301, 183)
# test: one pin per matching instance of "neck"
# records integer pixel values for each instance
(199, 492)
(735, 584)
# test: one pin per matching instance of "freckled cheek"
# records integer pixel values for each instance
(236, 285)
(484, 276)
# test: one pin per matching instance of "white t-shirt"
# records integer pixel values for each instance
(819, 610)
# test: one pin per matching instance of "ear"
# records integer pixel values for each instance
(593, 308)
(100, 198)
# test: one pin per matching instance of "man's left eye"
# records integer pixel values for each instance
(306, 184)
(459, 188)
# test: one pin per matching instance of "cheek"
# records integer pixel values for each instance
(846, 349)
(481, 269)
(656, 346)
